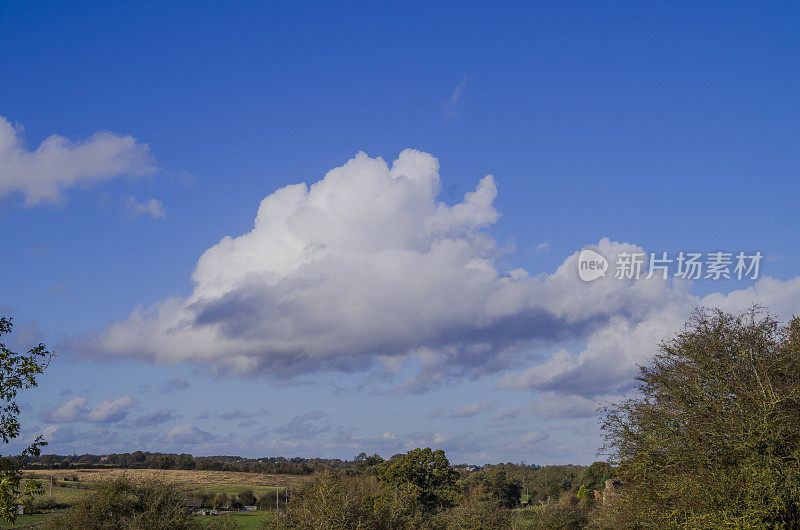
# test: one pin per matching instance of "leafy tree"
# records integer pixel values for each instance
(494, 484)
(17, 372)
(595, 476)
(247, 498)
(33, 488)
(220, 501)
(424, 474)
(713, 437)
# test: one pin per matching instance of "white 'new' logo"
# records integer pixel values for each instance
(591, 265)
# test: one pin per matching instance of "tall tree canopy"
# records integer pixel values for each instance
(425, 474)
(713, 437)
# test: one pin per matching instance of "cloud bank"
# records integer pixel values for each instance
(366, 266)
(42, 174)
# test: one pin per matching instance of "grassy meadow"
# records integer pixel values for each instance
(228, 482)
(66, 491)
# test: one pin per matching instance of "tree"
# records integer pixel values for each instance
(247, 498)
(220, 500)
(17, 372)
(425, 474)
(713, 437)
(494, 484)
(33, 488)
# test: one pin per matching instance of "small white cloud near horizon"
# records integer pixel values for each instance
(153, 207)
(67, 412)
(57, 164)
(189, 434)
(111, 410)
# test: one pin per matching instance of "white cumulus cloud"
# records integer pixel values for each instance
(368, 265)
(67, 412)
(111, 410)
(364, 262)
(42, 174)
(189, 434)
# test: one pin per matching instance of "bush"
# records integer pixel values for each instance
(473, 515)
(554, 516)
(121, 503)
(333, 501)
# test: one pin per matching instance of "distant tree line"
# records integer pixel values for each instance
(185, 461)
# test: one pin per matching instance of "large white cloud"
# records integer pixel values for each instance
(367, 264)
(42, 174)
(364, 262)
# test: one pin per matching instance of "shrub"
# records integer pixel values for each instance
(332, 501)
(121, 503)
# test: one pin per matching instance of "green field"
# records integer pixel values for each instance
(244, 520)
(67, 492)
(28, 521)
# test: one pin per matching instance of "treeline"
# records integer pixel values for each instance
(185, 461)
(537, 483)
(421, 490)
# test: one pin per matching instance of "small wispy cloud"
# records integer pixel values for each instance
(465, 412)
(175, 384)
(154, 208)
(452, 102)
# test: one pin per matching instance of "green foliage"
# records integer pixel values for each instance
(596, 475)
(472, 514)
(17, 372)
(246, 498)
(582, 494)
(33, 489)
(124, 504)
(332, 501)
(553, 516)
(713, 439)
(421, 474)
(414, 490)
(220, 500)
(494, 485)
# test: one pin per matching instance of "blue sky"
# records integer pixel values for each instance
(660, 127)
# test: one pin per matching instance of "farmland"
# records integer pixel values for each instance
(68, 487)
(228, 482)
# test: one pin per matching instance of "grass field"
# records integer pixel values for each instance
(229, 482)
(245, 520)
(28, 521)
(68, 492)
